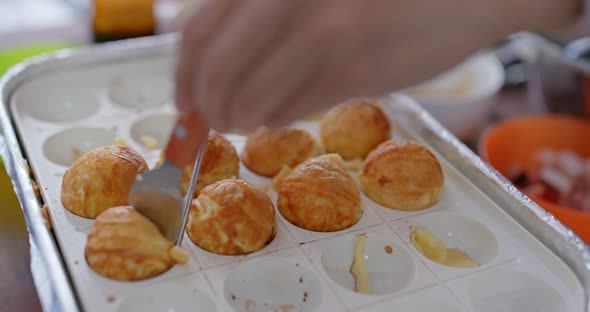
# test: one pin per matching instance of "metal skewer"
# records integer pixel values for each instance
(188, 199)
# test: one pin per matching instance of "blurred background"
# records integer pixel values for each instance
(526, 96)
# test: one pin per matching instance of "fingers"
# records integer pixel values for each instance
(331, 82)
(277, 90)
(297, 106)
(244, 63)
(320, 92)
(287, 70)
(239, 65)
(200, 28)
(239, 48)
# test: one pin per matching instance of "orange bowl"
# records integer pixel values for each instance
(518, 141)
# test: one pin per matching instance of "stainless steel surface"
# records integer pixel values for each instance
(562, 241)
(191, 190)
(157, 195)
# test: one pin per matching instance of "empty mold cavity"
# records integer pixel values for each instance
(63, 148)
(390, 267)
(272, 284)
(152, 132)
(460, 233)
(513, 291)
(141, 91)
(57, 104)
(167, 297)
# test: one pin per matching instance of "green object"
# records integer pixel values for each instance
(10, 57)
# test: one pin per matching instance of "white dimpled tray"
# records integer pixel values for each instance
(62, 114)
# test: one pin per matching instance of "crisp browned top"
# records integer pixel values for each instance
(101, 179)
(266, 151)
(354, 128)
(231, 217)
(402, 175)
(124, 245)
(219, 149)
(220, 162)
(320, 195)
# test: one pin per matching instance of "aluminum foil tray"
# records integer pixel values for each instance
(76, 100)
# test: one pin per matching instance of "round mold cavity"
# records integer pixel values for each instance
(58, 104)
(141, 92)
(513, 291)
(167, 297)
(461, 232)
(390, 267)
(63, 148)
(272, 284)
(152, 131)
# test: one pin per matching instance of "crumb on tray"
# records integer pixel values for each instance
(287, 308)
(354, 164)
(36, 188)
(149, 142)
(26, 163)
(388, 249)
(179, 255)
(46, 217)
(119, 141)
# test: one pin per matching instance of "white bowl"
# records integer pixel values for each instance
(462, 98)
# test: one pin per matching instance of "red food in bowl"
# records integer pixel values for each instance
(516, 142)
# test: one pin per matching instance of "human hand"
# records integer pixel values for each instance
(247, 63)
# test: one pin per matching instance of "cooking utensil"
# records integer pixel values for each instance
(157, 193)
